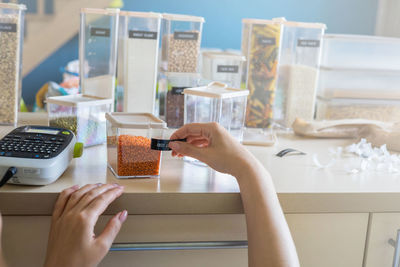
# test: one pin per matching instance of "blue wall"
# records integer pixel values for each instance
(223, 25)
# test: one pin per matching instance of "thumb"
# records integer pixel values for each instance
(187, 149)
(112, 228)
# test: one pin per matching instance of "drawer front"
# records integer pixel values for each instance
(329, 239)
(25, 240)
(383, 227)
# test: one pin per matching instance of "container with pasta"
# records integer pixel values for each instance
(129, 153)
(260, 46)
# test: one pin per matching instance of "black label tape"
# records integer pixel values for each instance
(163, 144)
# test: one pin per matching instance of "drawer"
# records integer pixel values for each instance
(334, 239)
(25, 240)
(383, 227)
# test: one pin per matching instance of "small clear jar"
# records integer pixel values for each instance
(217, 103)
(11, 43)
(181, 43)
(129, 153)
(223, 67)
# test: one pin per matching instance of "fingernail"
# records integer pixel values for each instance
(122, 217)
(99, 184)
(174, 145)
(115, 184)
(75, 187)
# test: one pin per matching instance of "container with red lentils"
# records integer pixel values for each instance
(129, 153)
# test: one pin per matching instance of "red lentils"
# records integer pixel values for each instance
(136, 158)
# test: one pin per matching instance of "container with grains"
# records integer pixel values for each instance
(174, 103)
(299, 60)
(181, 43)
(129, 153)
(11, 41)
(84, 113)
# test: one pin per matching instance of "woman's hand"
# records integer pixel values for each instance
(213, 145)
(72, 241)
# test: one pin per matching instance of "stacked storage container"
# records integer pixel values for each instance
(84, 114)
(359, 78)
(179, 62)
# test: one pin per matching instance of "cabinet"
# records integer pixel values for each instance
(383, 226)
(321, 239)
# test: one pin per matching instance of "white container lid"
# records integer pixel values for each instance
(135, 120)
(102, 11)
(180, 17)
(361, 38)
(216, 90)
(140, 14)
(321, 26)
(225, 55)
(78, 100)
(12, 6)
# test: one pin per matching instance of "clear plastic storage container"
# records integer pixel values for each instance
(11, 42)
(84, 116)
(260, 46)
(299, 60)
(129, 153)
(84, 113)
(174, 99)
(98, 51)
(138, 46)
(217, 103)
(223, 67)
(360, 52)
(359, 83)
(344, 108)
(181, 43)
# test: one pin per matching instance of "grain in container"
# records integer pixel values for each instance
(174, 99)
(299, 60)
(181, 43)
(386, 110)
(223, 67)
(129, 153)
(84, 113)
(138, 46)
(260, 46)
(217, 102)
(11, 42)
(360, 52)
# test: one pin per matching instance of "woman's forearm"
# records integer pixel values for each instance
(270, 241)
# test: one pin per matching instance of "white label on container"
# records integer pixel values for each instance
(103, 32)
(308, 43)
(177, 90)
(142, 35)
(186, 35)
(31, 171)
(228, 68)
(266, 40)
(8, 27)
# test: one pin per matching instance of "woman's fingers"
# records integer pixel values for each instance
(101, 202)
(89, 196)
(185, 149)
(77, 195)
(193, 129)
(106, 238)
(62, 201)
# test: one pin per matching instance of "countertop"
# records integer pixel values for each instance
(185, 188)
